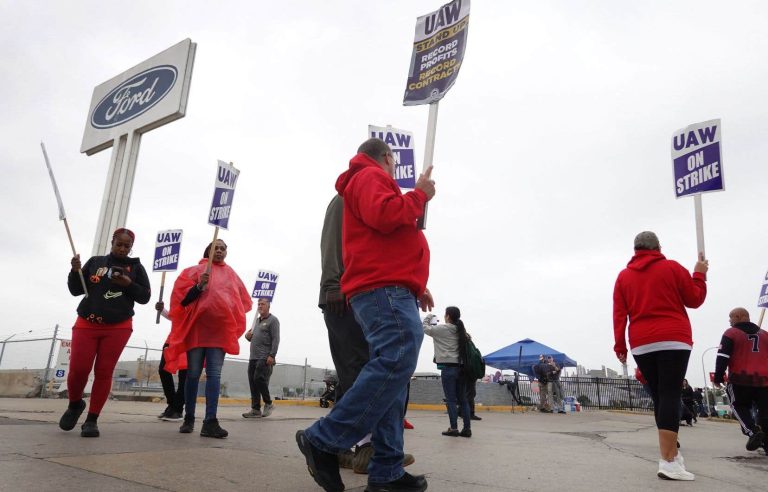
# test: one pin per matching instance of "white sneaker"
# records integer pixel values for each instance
(672, 470)
(679, 458)
(267, 410)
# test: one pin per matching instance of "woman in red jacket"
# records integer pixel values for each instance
(207, 320)
(653, 293)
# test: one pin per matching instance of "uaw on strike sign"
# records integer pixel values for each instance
(762, 301)
(697, 159)
(401, 143)
(167, 249)
(223, 195)
(438, 50)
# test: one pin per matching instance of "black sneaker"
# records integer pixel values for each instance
(213, 429)
(167, 411)
(89, 429)
(408, 482)
(68, 421)
(466, 432)
(755, 440)
(324, 467)
(475, 417)
(451, 432)
(188, 426)
(171, 417)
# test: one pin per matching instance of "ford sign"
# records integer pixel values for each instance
(134, 96)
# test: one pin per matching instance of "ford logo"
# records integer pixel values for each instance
(134, 97)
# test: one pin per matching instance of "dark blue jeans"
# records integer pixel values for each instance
(214, 360)
(390, 321)
(455, 392)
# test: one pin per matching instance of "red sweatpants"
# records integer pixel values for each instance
(104, 345)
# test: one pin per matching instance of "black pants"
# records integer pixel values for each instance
(742, 398)
(173, 395)
(349, 349)
(258, 379)
(665, 371)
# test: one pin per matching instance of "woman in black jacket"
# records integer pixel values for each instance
(103, 325)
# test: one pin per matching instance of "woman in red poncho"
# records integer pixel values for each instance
(208, 318)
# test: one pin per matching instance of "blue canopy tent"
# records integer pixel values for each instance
(521, 356)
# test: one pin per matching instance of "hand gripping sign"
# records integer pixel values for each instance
(266, 283)
(401, 143)
(167, 250)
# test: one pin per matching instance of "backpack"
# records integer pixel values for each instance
(474, 368)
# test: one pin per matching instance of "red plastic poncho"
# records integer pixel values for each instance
(215, 319)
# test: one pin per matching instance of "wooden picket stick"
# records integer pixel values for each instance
(211, 250)
(63, 215)
(162, 288)
(760, 323)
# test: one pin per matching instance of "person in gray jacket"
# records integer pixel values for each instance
(264, 336)
(450, 340)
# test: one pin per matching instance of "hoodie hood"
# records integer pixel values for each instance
(356, 164)
(643, 258)
(747, 327)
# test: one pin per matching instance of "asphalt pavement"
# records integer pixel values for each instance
(521, 451)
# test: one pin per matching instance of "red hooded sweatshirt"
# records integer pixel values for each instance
(654, 292)
(381, 244)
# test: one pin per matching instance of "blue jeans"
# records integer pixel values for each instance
(214, 360)
(375, 402)
(455, 392)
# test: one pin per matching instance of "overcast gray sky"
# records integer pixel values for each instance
(553, 151)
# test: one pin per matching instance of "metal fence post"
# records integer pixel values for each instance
(629, 391)
(44, 391)
(599, 401)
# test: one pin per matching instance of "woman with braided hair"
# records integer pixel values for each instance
(103, 326)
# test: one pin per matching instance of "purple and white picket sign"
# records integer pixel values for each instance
(762, 301)
(223, 195)
(266, 283)
(438, 50)
(698, 167)
(697, 159)
(401, 143)
(167, 250)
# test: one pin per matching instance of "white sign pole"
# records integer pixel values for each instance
(699, 227)
(117, 192)
(429, 152)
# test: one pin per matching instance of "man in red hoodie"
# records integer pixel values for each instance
(653, 293)
(386, 266)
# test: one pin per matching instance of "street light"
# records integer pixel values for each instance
(704, 373)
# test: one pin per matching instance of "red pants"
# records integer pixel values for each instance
(104, 345)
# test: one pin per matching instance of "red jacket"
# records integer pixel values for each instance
(215, 319)
(654, 292)
(381, 244)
